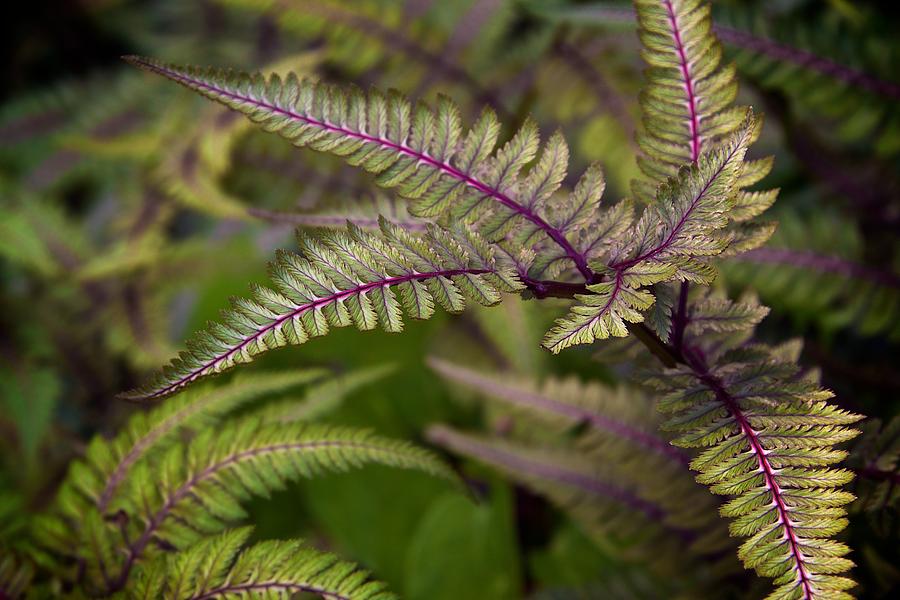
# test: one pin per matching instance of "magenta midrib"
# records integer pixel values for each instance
(555, 234)
(768, 475)
(309, 306)
(694, 124)
(138, 547)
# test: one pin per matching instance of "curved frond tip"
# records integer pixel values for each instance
(347, 278)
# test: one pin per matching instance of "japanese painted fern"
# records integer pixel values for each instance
(179, 474)
(753, 426)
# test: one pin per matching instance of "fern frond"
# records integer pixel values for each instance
(107, 463)
(813, 269)
(422, 153)
(16, 575)
(876, 461)
(606, 410)
(569, 441)
(364, 34)
(217, 567)
(321, 397)
(767, 439)
(673, 239)
(687, 105)
(602, 503)
(201, 488)
(342, 279)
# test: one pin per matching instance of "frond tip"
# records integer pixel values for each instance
(342, 279)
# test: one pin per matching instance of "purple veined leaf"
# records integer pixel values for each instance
(401, 151)
(601, 14)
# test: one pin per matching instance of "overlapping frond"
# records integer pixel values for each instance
(673, 240)
(96, 479)
(687, 99)
(149, 490)
(768, 438)
(687, 108)
(568, 403)
(423, 153)
(342, 279)
(593, 451)
(876, 460)
(814, 270)
(639, 510)
(203, 486)
(219, 567)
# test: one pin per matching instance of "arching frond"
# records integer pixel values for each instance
(422, 153)
(768, 439)
(108, 463)
(343, 279)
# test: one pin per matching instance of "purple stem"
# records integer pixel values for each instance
(702, 373)
(835, 265)
(621, 266)
(554, 233)
(877, 474)
(518, 396)
(522, 465)
(688, 81)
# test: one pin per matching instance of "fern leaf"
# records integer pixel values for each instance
(423, 153)
(813, 270)
(567, 400)
(720, 315)
(876, 460)
(217, 567)
(197, 491)
(572, 482)
(766, 438)
(342, 279)
(107, 463)
(672, 240)
(687, 104)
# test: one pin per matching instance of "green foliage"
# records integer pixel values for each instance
(767, 437)
(459, 536)
(672, 240)
(876, 458)
(813, 270)
(217, 568)
(150, 489)
(129, 210)
(343, 279)
(594, 452)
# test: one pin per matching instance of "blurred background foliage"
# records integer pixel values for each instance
(130, 211)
